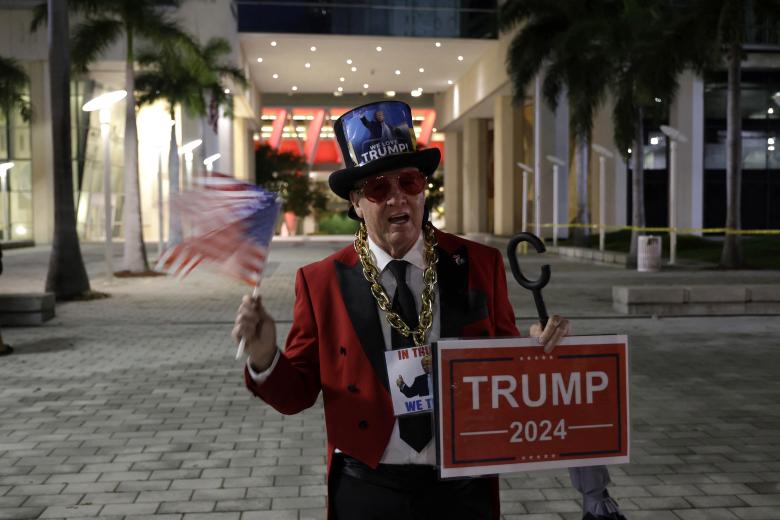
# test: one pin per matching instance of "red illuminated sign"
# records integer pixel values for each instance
(503, 405)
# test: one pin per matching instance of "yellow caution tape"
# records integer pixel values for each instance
(679, 231)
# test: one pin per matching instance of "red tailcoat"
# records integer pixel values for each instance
(336, 345)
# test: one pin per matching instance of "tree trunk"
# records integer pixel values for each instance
(581, 234)
(731, 256)
(135, 251)
(67, 277)
(637, 189)
(174, 221)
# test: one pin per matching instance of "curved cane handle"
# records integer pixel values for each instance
(535, 286)
(511, 248)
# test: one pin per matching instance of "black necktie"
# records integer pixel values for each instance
(415, 430)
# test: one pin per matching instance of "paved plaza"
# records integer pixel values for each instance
(133, 407)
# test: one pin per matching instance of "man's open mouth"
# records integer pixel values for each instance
(399, 219)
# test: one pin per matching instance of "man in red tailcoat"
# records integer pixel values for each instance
(403, 283)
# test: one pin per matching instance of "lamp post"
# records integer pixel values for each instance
(209, 161)
(526, 170)
(187, 150)
(556, 162)
(604, 154)
(4, 169)
(103, 104)
(674, 136)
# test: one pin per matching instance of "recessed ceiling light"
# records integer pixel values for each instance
(341, 79)
(353, 69)
(397, 72)
(259, 60)
(365, 85)
(438, 44)
(340, 89)
(307, 65)
(349, 62)
(312, 48)
(275, 76)
(390, 93)
(379, 49)
(421, 69)
(449, 82)
(337, 93)
(227, 91)
(460, 58)
(416, 93)
(294, 87)
(273, 43)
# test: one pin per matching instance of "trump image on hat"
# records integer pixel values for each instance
(375, 138)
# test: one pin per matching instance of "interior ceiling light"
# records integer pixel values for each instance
(449, 82)
(438, 44)
(340, 89)
(294, 87)
(434, 130)
(307, 65)
(259, 60)
(353, 69)
(460, 58)
(312, 48)
(421, 69)
(227, 91)
(365, 85)
(397, 72)
(341, 79)
(273, 44)
(379, 49)
(349, 61)
(416, 93)
(275, 76)
(390, 93)
(337, 93)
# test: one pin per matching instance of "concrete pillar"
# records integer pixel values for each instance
(42, 160)
(505, 171)
(475, 176)
(687, 116)
(453, 182)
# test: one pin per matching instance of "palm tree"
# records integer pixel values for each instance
(215, 72)
(13, 82)
(67, 277)
(169, 74)
(717, 28)
(106, 22)
(556, 37)
(648, 60)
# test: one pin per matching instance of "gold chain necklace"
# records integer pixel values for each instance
(371, 273)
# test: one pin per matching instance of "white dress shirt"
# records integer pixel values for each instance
(396, 451)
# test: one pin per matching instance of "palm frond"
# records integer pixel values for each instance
(91, 38)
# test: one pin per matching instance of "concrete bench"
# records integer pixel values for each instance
(21, 310)
(697, 299)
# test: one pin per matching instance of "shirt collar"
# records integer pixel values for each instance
(414, 256)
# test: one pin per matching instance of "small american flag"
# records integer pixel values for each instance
(229, 224)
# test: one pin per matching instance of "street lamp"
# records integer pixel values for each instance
(103, 104)
(604, 154)
(4, 169)
(556, 162)
(674, 136)
(187, 150)
(210, 160)
(526, 170)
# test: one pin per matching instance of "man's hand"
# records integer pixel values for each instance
(557, 328)
(258, 329)
(400, 382)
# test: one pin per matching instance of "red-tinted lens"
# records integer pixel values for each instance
(412, 183)
(377, 189)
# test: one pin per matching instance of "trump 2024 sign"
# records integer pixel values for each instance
(503, 405)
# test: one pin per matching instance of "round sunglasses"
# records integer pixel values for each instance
(377, 189)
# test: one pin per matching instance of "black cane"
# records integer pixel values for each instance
(535, 286)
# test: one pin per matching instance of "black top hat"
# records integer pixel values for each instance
(376, 138)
